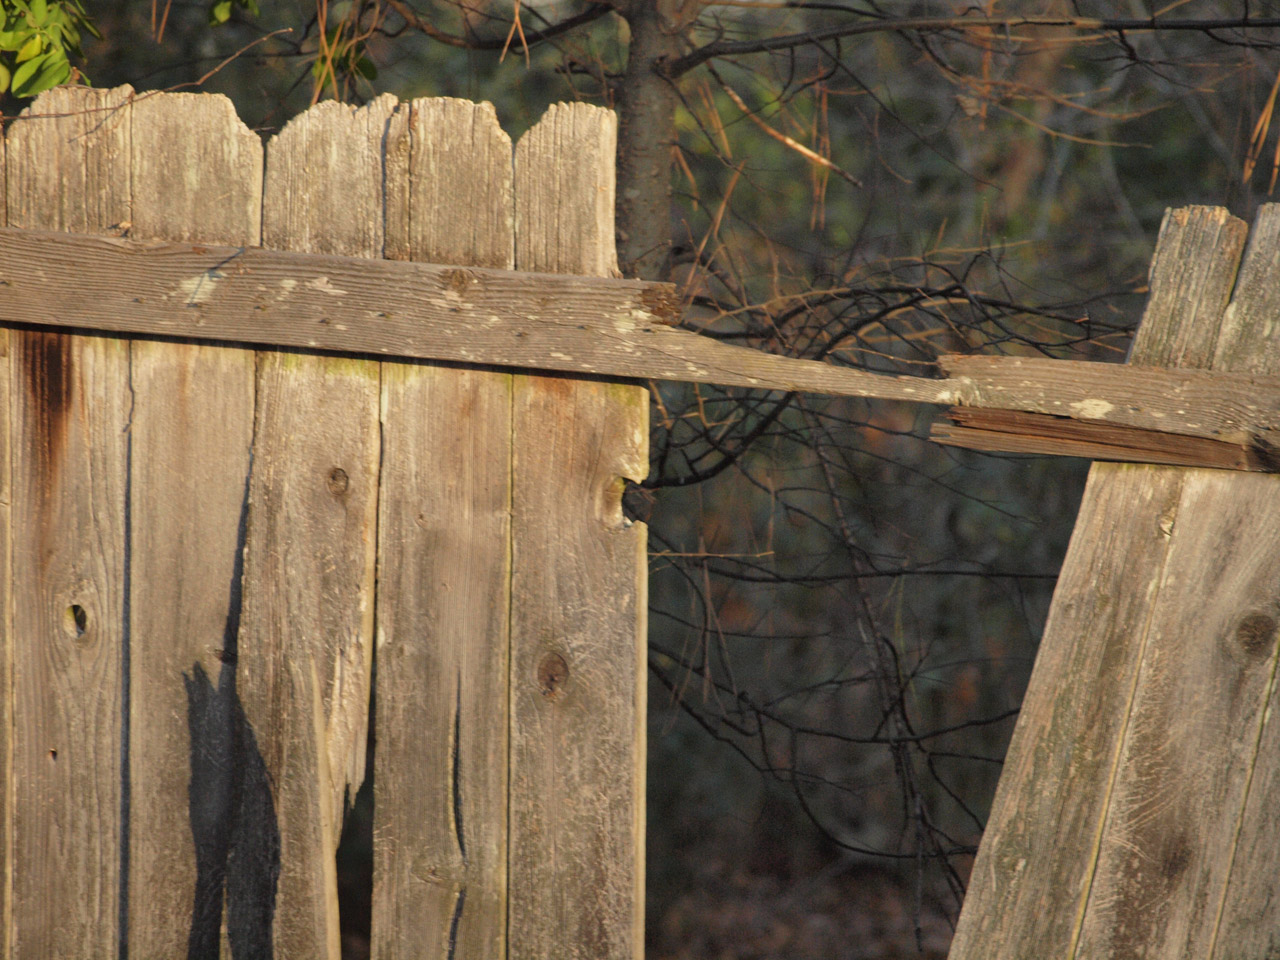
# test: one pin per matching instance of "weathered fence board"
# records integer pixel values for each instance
(440, 851)
(197, 541)
(6, 651)
(189, 445)
(1115, 823)
(578, 590)
(6, 631)
(71, 408)
(1248, 332)
(208, 532)
(1204, 689)
(306, 651)
(605, 327)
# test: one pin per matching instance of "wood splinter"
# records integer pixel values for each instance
(1012, 431)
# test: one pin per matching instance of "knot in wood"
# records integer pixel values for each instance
(338, 481)
(553, 674)
(1255, 633)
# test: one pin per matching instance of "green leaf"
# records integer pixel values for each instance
(39, 12)
(55, 73)
(11, 39)
(251, 6)
(220, 12)
(33, 46)
(25, 73)
(366, 69)
(5, 76)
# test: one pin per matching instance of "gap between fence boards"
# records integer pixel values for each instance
(614, 328)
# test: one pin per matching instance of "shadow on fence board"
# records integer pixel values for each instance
(205, 543)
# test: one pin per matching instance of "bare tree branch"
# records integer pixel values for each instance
(731, 48)
(426, 27)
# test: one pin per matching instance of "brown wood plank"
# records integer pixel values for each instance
(1241, 407)
(1183, 777)
(440, 850)
(578, 591)
(1182, 774)
(70, 413)
(1033, 874)
(1247, 924)
(6, 635)
(7, 728)
(1011, 431)
(575, 324)
(196, 174)
(306, 647)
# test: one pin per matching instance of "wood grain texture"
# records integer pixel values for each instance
(1232, 406)
(68, 170)
(306, 648)
(6, 649)
(578, 591)
(196, 175)
(1191, 750)
(1012, 431)
(1181, 278)
(6, 633)
(576, 324)
(1032, 880)
(440, 844)
(1247, 924)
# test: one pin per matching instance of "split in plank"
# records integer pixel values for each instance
(599, 326)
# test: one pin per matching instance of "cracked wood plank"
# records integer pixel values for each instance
(306, 649)
(579, 570)
(440, 808)
(1136, 814)
(189, 462)
(69, 417)
(1032, 891)
(573, 324)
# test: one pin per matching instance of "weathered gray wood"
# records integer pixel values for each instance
(1233, 406)
(1031, 883)
(6, 636)
(7, 728)
(440, 851)
(196, 175)
(1209, 659)
(70, 413)
(306, 645)
(1190, 281)
(578, 591)
(1247, 924)
(578, 324)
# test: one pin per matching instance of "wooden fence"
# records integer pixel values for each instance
(1138, 814)
(203, 541)
(208, 541)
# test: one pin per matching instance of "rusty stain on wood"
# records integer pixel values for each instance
(600, 326)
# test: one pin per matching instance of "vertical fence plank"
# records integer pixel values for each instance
(1200, 703)
(1032, 878)
(6, 631)
(69, 172)
(197, 175)
(578, 590)
(1247, 924)
(441, 765)
(307, 645)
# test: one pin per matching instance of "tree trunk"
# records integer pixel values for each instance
(646, 105)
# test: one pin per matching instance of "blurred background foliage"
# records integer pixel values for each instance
(843, 616)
